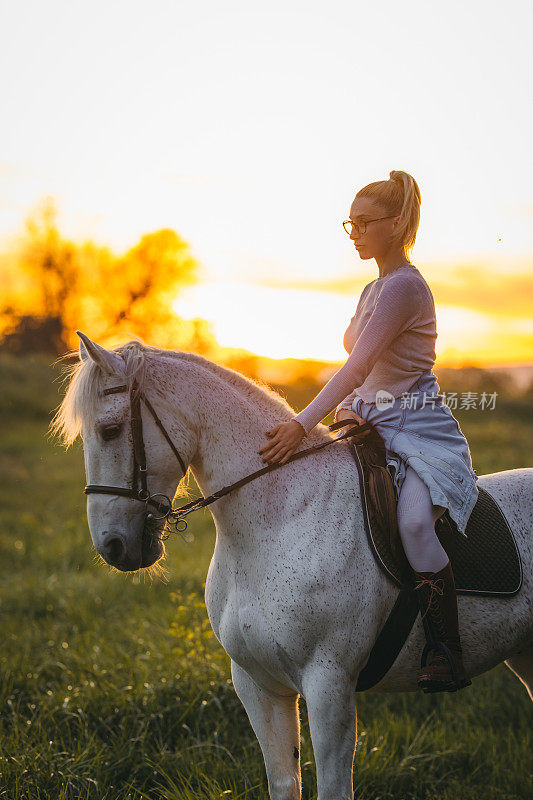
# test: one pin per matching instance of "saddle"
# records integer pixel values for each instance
(486, 563)
(379, 505)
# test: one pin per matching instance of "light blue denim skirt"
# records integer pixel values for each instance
(420, 431)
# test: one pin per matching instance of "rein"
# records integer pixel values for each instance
(162, 508)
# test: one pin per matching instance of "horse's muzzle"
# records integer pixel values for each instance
(116, 552)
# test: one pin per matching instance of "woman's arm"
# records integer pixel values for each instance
(346, 403)
(397, 307)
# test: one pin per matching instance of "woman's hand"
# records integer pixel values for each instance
(285, 439)
(345, 413)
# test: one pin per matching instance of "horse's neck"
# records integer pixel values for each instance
(231, 427)
(312, 505)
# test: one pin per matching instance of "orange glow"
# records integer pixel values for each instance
(481, 320)
(236, 126)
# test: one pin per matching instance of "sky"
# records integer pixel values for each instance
(248, 128)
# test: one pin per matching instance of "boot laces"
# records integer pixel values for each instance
(435, 586)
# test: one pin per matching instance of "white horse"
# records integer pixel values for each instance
(293, 591)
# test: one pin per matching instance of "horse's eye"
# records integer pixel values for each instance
(110, 432)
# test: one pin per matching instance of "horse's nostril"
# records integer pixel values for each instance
(114, 549)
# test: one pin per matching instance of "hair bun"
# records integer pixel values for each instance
(400, 196)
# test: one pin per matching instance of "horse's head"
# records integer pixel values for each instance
(102, 398)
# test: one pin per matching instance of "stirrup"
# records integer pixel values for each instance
(455, 684)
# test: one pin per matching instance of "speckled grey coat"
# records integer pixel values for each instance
(293, 592)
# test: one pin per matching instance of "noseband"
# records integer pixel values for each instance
(162, 509)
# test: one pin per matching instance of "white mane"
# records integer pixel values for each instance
(86, 378)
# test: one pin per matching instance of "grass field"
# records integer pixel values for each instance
(115, 688)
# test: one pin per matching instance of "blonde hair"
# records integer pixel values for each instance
(399, 195)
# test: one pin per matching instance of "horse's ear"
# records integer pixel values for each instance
(111, 363)
(84, 354)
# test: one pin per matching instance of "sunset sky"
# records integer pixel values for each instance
(248, 127)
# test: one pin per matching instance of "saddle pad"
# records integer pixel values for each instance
(487, 563)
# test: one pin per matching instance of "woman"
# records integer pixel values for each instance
(388, 381)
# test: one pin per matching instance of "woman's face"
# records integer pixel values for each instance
(378, 238)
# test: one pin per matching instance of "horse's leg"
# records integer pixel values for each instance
(330, 700)
(522, 666)
(276, 723)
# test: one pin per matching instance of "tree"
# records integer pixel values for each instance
(62, 286)
(37, 313)
(135, 292)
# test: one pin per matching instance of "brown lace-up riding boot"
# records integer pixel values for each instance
(437, 599)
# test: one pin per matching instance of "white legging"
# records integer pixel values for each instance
(416, 521)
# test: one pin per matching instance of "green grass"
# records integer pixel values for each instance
(113, 686)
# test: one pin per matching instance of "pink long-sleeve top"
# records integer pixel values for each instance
(391, 342)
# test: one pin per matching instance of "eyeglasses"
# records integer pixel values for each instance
(360, 227)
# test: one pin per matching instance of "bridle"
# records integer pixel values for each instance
(139, 483)
(158, 509)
